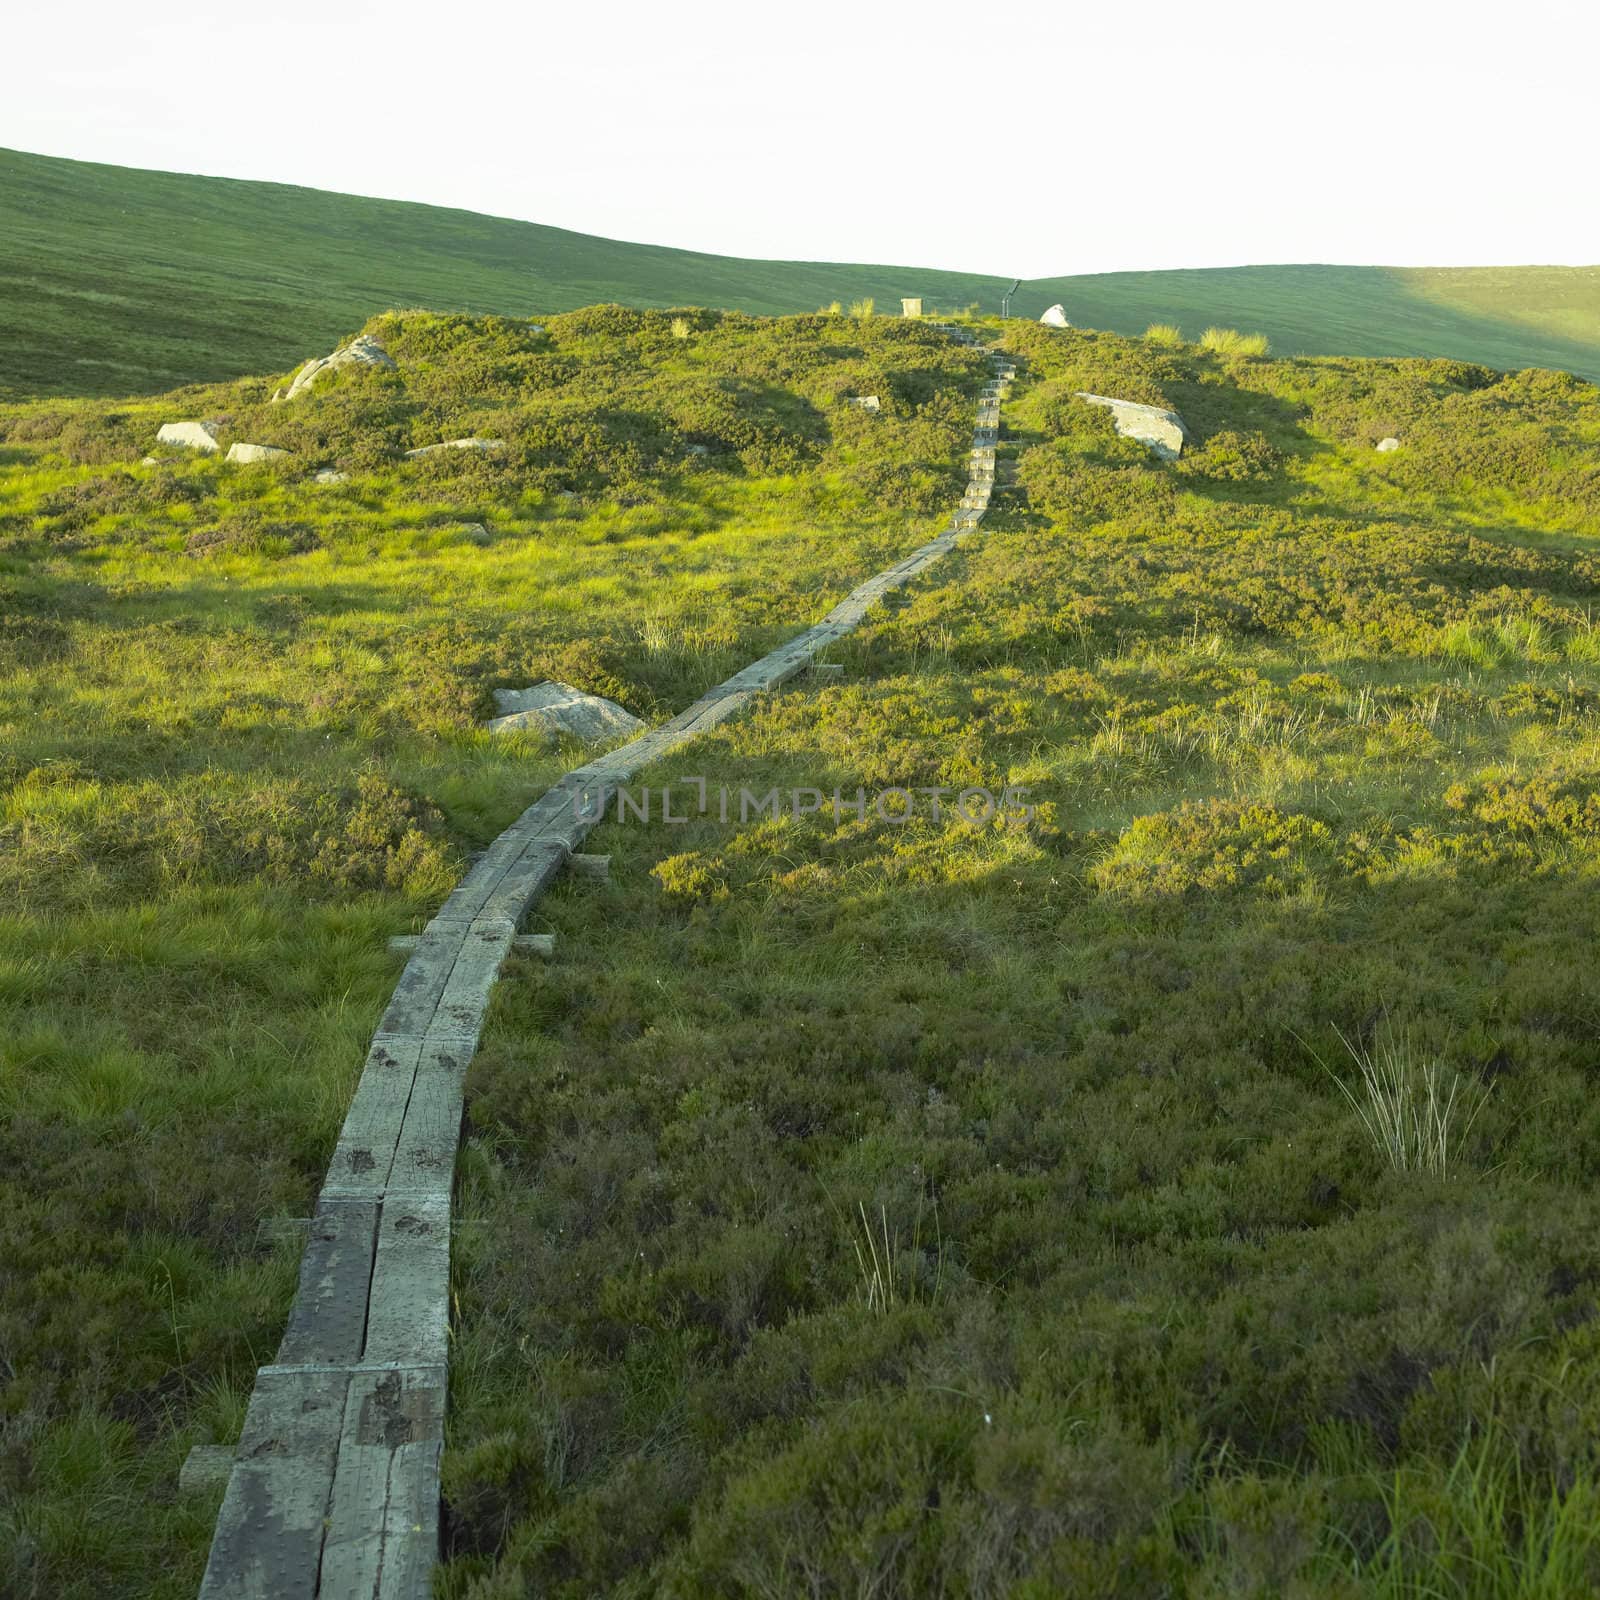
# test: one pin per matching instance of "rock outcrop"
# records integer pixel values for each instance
(1386, 445)
(559, 708)
(254, 452)
(190, 435)
(1056, 317)
(328, 475)
(362, 351)
(1163, 431)
(867, 402)
(456, 444)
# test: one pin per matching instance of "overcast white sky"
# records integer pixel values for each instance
(1110, 136)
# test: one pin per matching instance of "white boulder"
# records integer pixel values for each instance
(328, 475)
(1386, 445)
(867, 402)
(254, 452)
(191, 435)
(362, 351)
(559, 708)
(456, 444)
(1163, 431)
(1056, 317)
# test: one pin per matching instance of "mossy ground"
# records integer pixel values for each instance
(849, 1206)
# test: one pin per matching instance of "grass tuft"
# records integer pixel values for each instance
(1416, 1110)
(1230, 342)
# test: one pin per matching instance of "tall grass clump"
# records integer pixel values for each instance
(1417, 1112)
(893, 1271)
(863, 310)
(1165, 333)
(1230, 342)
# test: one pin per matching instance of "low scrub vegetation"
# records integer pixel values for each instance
(1186, 1189)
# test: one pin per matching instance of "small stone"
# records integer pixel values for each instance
(191, 435)
(1056, 317)
(456, 444)
(476, 533)
(149, 461)
(254, 452)
(867, 402)
(559, 708)
(1164, 431)
(1386, 445)
(328, 475)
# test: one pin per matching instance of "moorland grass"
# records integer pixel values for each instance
(242, 745)
(933, 1208)
(848, 1206)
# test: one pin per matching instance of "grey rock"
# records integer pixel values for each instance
(191, 435)
(254, 452)
(456, 444)
(1056, 317)
(1386, 445)
(867, 402)
(1163, 431)
(328, 475)
(559, 708)
(476, 533)
(362, 351)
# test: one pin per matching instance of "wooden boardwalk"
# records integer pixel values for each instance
(334, 1486)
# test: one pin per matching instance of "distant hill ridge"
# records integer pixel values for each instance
(119, 280)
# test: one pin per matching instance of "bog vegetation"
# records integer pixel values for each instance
(1189, 1190)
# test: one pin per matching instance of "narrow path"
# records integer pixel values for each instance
(334, 1487)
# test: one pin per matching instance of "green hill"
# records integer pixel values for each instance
(1506, 317)
(115, 280)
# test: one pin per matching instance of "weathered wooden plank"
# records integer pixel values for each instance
(328, 1319)
(466, 997)
(524, 883)
(408, 1310)
(383, 1525)
(425, 1152)
(421, 984)
(269, 1535)
(362, 1157)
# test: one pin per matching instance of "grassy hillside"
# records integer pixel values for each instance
(115, 280)
(853, 1205)
(1501, 316)
(118, 281)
